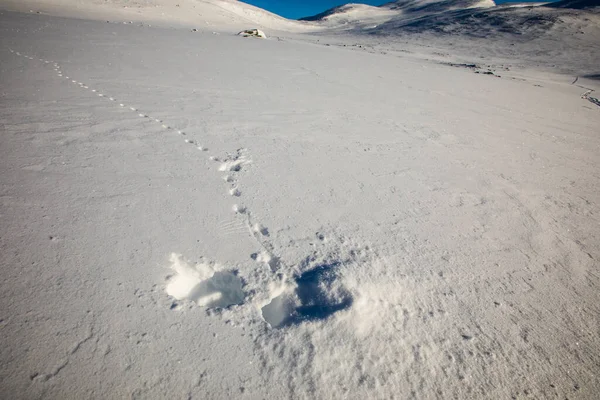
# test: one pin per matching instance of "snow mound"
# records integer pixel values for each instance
(204, 284)
(253, 33)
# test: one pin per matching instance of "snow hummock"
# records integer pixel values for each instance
(204, 284)
(253, 33)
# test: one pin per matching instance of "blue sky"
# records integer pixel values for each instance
(295, 9)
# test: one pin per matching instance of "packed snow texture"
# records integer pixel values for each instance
(312, 215)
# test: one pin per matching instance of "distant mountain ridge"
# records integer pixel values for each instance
(406, 6)
(435, 6)
(475, 18)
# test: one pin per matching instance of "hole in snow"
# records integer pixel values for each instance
(317, 296)
(205, 286)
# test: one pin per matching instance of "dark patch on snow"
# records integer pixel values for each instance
(462, 65)
(316, 297)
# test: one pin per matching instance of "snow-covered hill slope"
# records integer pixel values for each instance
(480, 18)
(202, 14)
(494, 22)
(360, 15)
(195, 215)
(435, 6)
(353, 13)
(564, 37)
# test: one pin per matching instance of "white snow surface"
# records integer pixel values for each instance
(310, 216)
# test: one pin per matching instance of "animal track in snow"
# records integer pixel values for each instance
(313, 295)
(205, 284)
(235, 166)
(316, 295)
(59, 72)
(239, 209)
(233, 162)
(273, 262)
(258, 228)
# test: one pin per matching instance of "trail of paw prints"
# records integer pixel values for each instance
(284, 300)
(232, 165)
(69, 79)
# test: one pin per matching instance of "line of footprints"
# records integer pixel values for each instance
(305, 300)
(82, 85)
(231, 164)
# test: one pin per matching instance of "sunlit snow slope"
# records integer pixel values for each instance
(197, 215)
(562, 37)
(216, 14)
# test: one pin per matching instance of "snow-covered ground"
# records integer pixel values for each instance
(201, 215)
